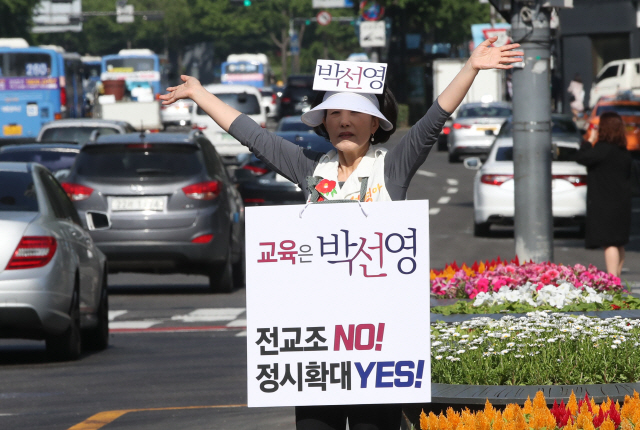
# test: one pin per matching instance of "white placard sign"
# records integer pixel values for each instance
(338, 304)
(373, 34)
(352, 76)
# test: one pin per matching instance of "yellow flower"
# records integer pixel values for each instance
(572, 405)
(528, 407)
(539, 402)
(607, 425)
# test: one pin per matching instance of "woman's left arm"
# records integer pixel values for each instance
(483, 57)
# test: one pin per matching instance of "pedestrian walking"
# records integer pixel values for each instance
(358, 169)
(608, 164)
(576, 96)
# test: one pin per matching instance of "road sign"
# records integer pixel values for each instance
(501, 33)
(55, 17)
(322, 4)
(373, 34)
(323, 17)
(294, 44)
(124, 14)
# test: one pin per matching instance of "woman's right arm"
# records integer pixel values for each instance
(279, 154)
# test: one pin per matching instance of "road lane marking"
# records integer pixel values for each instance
(426, 173)
(434, 211)
(132, 325)
(242, 334)
(452, 181)
(444, 200)
(238, 323)
(115, 314)
(101, 419)
(212, 314)
(182, 329)
(452, 190)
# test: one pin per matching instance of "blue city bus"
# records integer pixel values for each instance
(74, 74)
(33, 91)
(137, 67)
(246, 69)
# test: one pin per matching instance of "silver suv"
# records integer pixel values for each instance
(161, 203)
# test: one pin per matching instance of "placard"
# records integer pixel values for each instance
(338, 304)
(349, 76)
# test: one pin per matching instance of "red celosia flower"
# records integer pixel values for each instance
(326, 186)
(615, 307)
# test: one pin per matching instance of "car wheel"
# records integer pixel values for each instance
(239, 271)
(68, 345)
(442, 142)
(221, 276)
(453, 158)
(97, 338)
(481, 229)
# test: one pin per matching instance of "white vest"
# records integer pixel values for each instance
(371, 166)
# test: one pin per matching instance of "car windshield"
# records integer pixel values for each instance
(17, 192)
(293, 126)
(245, 103)
(622, 110)
(558, 126)
(558, 153)
(298, 93)
(74, 134)
(484, 111)
(52, 159)
(139, 160)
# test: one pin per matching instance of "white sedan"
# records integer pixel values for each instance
(493, 188)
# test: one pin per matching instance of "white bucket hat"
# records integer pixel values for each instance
(357, 102)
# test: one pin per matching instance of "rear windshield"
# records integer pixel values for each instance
(559, 153)
(137, 160)
(25, 65)
(558, 126)
(298, 93)
(17, 192)
(74, 134)
(51, 159)
(622, 110)
(484, 111)
(245, 103)
(133, 64)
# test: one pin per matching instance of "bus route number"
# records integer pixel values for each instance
(36, 69)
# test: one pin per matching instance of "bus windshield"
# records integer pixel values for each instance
(18, 64)
(130, 64)
(242, 68)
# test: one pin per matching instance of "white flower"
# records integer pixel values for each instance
(614, 346)
(551, 340)
(511, 344)
(504, 351)
(461, 351)
(617, 341)
(438, 357)
(490, 349)
(473, 347)
(437, 343)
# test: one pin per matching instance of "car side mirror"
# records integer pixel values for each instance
(98, 220)
(61, 174)
(472, 163)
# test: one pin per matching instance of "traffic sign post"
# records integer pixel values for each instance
(373, 34)
(501, 33)
(323, 18)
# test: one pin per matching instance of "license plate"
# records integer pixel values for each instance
(479, 128)
(12, 130)
(137, 203)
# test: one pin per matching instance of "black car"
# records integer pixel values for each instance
(57, 157)
(261, 186)
(169, 203)
(297, 96)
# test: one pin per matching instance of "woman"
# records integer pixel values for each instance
(354, 171)
(609, 190)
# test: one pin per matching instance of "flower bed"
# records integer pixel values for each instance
(542, 348)
(500, 286)
(584, 414)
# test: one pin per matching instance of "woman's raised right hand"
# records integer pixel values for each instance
(182, 91)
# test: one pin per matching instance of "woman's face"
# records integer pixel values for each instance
(349, 131)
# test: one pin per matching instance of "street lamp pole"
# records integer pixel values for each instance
(532, 132)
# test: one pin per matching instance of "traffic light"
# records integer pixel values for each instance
(247, 3)
(307, 22)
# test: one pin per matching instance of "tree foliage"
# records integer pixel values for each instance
(15, 17)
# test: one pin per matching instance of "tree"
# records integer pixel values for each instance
(15, 17)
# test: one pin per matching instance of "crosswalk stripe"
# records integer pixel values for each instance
(210, 314)
(115, 314)
(238, 323)
(133, 324)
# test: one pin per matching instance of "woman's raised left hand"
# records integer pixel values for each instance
(487, 57)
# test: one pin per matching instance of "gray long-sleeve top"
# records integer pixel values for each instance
(296, 163)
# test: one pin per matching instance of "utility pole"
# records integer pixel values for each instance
(532, 132)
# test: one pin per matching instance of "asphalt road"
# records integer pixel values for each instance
(177, 353)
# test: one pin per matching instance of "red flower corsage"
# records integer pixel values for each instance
(325, 186)
(320, 199)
